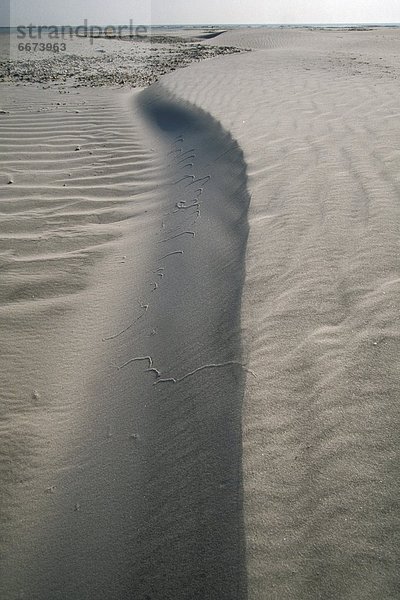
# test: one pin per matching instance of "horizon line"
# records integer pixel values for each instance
(208, 24)
(201, 24)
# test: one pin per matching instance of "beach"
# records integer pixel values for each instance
(199, 317)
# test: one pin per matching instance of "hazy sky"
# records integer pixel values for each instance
(103, 12)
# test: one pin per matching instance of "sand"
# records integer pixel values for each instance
(199, 311)
(87, 61)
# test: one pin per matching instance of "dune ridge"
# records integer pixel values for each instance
(194, 314)
(318, 124)
(138, 425)
(132, 465)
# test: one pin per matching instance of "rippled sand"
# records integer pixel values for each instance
(198, 312)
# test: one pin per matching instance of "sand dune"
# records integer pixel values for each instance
(127, 254)
(66, 221)
(320, 133)
(134, 321)
(263, 38)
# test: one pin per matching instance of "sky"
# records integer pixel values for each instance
(104, 12)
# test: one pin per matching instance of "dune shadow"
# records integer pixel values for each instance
(193, 525)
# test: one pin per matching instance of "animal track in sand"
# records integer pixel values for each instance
(180, 205)
(177, 151)
(160, 379)
(183, 157)
(186, 157)
(178, 235)
(154, 370)
(192, 177)
(202, 368)
(206, 179)
(136, 359)
(113, 337)
(171, 254)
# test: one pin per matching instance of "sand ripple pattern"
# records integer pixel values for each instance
(74, 177)
(319, 125)
(130, 440)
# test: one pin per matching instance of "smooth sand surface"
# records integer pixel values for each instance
(186, 416)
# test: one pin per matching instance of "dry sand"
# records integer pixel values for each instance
(123, 236)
